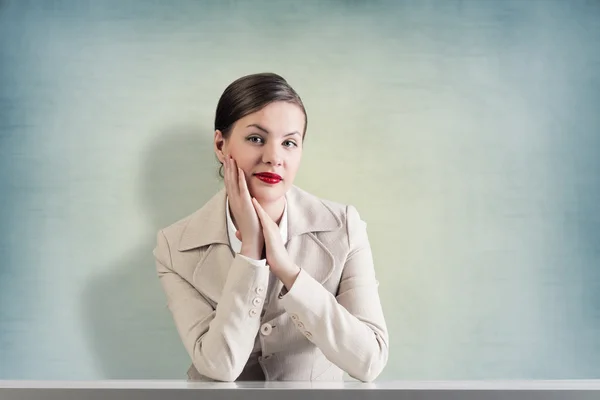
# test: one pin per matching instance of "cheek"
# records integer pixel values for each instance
(245, 161)
(242, 158)
(245, 151)
(293, 163)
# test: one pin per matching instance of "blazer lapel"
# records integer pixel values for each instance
(307, 216)
(307, 213)
(206, 226)
(206, 232)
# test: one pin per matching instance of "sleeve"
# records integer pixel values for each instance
(219, 341)
(349, 328)
(261, 263)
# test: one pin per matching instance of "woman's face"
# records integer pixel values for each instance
(268, 141)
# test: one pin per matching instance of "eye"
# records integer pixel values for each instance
(290, 143)
(254, 139)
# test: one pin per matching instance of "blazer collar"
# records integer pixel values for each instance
(306, 213)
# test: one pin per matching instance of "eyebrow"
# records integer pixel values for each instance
(267, 132)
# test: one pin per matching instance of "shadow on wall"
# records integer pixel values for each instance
(127, 324)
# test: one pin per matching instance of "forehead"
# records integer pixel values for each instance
(277, 117)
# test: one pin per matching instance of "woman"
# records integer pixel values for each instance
(266, 281)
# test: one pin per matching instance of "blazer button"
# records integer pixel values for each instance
(260, 290)
(300, 325)
(308, 335)
(256, 301)
(266, 329)
(253, 312)
(294, 317)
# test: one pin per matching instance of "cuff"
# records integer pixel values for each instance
(256, 263)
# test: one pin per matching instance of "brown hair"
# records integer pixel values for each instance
(249, 94)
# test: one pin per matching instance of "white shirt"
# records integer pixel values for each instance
(236, 244)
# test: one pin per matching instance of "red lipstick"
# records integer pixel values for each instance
(269, 177)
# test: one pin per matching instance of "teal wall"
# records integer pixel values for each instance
(465, 132)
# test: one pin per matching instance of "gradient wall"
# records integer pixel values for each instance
(465, 132)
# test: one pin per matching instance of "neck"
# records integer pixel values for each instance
(274, 209)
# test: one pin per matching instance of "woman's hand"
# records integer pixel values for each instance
(242, 210)
(278, 259)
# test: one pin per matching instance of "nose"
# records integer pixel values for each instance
(271, 155)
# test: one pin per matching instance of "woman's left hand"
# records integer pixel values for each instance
(278, 258)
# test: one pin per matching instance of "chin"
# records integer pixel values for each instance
(268, 195)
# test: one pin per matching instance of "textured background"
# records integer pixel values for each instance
(465, 132)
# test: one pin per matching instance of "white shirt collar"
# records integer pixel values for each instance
(236, 244)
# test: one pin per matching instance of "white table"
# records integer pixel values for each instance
(422, 390)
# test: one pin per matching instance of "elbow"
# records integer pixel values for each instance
(220, 374)
(230, 374)
(368, 375)
(221, 367)
(373, 368)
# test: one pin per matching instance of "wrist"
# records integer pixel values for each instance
(288, 275)
(250, 250)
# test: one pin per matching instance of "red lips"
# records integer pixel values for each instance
(269, 177)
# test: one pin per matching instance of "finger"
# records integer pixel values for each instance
(265, 221)
(258, 208)
(244, 191)
(233, 176)
(262, 211)
(232, 186)
(269, 227)
(238, 235)
(242, 183)
(227, 175)
(227, 168)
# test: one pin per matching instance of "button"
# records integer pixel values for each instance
(282, 292)
(256, 301)
(294, 317)
(266, 329)
(253, 312)
(308, 335)
(266, 357)
(260, 290)
(300, 325)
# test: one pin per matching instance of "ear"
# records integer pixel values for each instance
(219, 146)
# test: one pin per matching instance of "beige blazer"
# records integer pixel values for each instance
(330, 321)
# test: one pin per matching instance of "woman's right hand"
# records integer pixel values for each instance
(243, 211)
